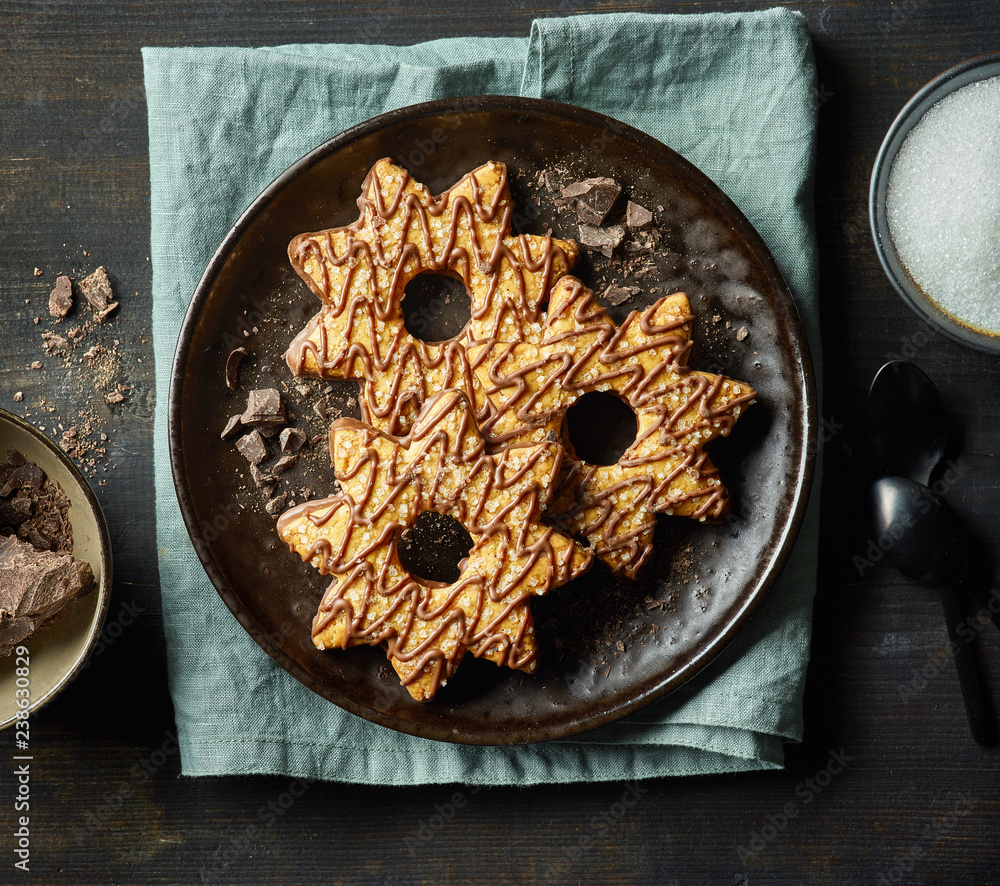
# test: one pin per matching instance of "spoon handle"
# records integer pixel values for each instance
(986, 603)
(977, 705)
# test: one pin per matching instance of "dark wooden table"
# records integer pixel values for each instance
(916, 801)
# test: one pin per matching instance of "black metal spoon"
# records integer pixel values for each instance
(925, 540)
(906, 421)
(908, 428)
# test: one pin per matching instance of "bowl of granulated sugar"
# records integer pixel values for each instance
(935, 202)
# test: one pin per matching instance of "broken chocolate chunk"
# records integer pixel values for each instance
(61, 298)
(252, 447)
(267, 482)
(292, 440)
(615, 294)
(284, 463)
(276, 505)
(548, 181)
(637, 216)
(592, 198)
(35, 586)
(604, 239)
(264, 409)
(232, 426)
(25, 476)
(97, 290)
(15, 511)
(233, 368)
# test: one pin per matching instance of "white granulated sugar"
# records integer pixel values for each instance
(943, 204)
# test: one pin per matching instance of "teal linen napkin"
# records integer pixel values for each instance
(734, 94)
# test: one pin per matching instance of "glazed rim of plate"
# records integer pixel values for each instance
(412, 723)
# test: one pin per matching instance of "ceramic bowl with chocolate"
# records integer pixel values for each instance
(55, 569)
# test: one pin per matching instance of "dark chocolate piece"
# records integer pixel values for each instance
(35, 586)
(615, 294)
(292, 440)
(267, 482)
(604, 239)
(264, 409)
(233, 368)
(24, 476)
(14, 512)
(252, 447)
(61, 298)
(592, 198)
(277, 504)
(97, 290)
(39, 510)
(637, 216)
(232, 426)
(284, 463)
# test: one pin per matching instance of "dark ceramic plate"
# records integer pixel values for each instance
(607, 647)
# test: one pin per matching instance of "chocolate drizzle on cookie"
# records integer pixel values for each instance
(578, 348)
(360, 273)
(442, 466)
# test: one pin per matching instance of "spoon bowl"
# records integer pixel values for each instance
(906, 421)
(923, 537)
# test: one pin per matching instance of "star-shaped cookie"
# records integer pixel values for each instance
(577, 348)
(360, 273)
(442, 465)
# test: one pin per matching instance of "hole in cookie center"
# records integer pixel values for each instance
(601, 427)
(436, 307)
(432, 547)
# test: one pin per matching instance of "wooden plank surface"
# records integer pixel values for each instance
(887, 786)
